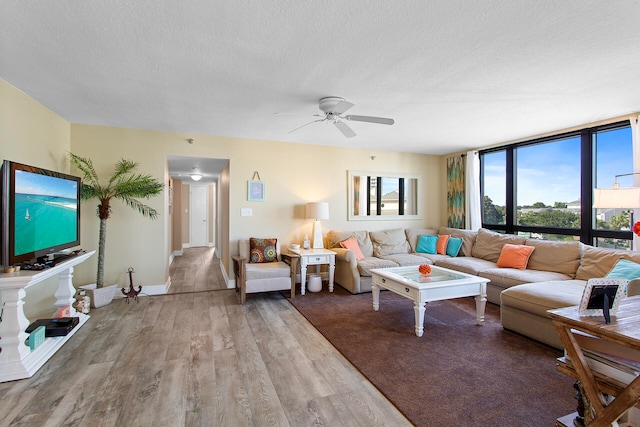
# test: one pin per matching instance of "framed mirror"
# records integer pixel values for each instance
(382, 196)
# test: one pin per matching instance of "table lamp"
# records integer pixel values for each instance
(317, 211)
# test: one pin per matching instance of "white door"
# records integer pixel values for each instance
(198, 218)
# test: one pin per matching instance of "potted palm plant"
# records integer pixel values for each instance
(125, 185)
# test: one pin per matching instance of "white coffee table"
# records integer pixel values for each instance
(441, 284)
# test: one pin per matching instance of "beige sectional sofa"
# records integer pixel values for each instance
(556, 273)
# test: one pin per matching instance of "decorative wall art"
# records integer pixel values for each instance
(456, 192)
(255, 189)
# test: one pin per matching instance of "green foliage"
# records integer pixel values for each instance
(550, 218)
(490, 213)
(125, 185)
(620, 221)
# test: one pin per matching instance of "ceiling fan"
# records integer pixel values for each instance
(334, 107)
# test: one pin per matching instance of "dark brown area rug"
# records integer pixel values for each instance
(457, 373)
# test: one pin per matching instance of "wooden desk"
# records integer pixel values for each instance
(624, 330)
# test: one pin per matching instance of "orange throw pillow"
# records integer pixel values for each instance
(441, 244)
(352, 244)
(515, 256)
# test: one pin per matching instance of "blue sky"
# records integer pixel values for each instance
(551, 172)
(42, 185)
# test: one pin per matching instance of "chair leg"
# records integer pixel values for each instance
(243, 292)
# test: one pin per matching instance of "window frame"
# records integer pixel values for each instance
(587, 231)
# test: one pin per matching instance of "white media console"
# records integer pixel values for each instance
(17, 361)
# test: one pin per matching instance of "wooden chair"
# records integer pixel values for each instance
(263, 277)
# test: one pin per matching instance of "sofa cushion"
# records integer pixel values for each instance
(334, 238)
(269, 270)
(413, 234)
(489, 244)
(507, 277)
(468, 238)
(262, 250)
(427, 244)
(441, 244)
(467, 265)
(625, 269)
(352, 244)
(551, 255)
(407, 259)
(515, 256)
(453, 246)
(366, 265)
(537, 298)
(389, 242)
(433, 257)
(597, 262)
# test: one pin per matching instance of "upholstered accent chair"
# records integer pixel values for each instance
(253, 277)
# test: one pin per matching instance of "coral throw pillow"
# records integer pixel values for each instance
(427, 244)
(441, 246)
(262, 250)
(515, 256)
(352, 244)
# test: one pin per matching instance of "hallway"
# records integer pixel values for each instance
(197, 270)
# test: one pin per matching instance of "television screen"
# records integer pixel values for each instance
(41, 212)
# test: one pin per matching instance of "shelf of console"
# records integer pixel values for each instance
(17, 361)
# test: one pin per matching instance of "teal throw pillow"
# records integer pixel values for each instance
(453, 246)
(624, 269)
(427, 244)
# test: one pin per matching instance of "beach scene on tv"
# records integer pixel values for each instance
(45, 211)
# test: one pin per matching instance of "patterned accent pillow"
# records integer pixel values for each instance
(262, 250)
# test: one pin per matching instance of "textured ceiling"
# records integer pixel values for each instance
(454, 75)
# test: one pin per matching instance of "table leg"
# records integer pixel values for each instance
(303, 276)
(375, 291)
(419, 308)
(481, 303)
(332, 269)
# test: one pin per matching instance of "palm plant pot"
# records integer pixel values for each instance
(100, 296)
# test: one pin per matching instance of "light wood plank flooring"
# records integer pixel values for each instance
(196, 359)
(197, 269)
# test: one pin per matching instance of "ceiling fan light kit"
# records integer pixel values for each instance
(333, 107)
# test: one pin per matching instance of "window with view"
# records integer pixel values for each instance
(613, 156)
(544, 188)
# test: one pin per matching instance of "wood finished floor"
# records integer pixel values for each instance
(196, 358)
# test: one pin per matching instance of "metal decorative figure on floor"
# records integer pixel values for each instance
(131, 293)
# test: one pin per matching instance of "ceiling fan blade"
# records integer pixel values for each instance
(341, 107)
(306, 124)
(370, 119)
(344, 128)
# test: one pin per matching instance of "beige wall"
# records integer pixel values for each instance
(32, 134)
(294, 174)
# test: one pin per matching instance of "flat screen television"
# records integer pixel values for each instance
(40, 213)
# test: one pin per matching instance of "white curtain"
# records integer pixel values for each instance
(635, 135)
(472, 191)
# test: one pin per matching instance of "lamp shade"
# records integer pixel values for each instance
(612, 198)
(317, 210)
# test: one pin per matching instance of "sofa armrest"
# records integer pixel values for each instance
(345, 256)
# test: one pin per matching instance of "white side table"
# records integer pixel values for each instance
(315, 257)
